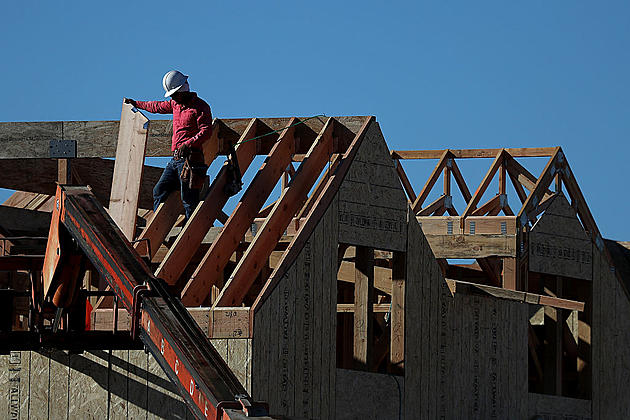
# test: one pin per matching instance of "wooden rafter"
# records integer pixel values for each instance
(211, 267)
(437, 171)
(496, 164)
(404, 180)
(493, 204)
(434, 207)
(314, 215)
(542, 184)
(205, 214)
(289, 203)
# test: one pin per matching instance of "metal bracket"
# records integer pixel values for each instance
(61, 149)
(242, 402)
(138, 292)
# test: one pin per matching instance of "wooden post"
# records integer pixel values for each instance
(363, 311)
(554, 320)
(64, 173)
(509, 273)
(397, 320)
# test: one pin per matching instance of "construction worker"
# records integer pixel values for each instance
(192, 126)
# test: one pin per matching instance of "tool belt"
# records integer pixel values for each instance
(194, 170)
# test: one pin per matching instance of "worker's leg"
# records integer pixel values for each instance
(190, 199)
(169, 181)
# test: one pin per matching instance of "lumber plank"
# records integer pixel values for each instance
(290, 201)
(186, 244)
(459, 179)
(433, 207)
(159, 225)
(210, 269)
(127, 177)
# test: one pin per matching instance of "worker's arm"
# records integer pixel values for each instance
(204, 123)
(156, 107)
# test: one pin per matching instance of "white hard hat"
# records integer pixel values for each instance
(174, 81)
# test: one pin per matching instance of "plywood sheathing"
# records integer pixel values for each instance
(559, 245)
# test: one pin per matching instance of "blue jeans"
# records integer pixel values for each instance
(170, 181)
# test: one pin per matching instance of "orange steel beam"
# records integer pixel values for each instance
(205, 214)
(270, 232)
(211, 267)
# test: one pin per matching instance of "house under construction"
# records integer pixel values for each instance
(333, 286)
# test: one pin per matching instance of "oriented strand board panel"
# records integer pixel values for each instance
(610, 343)
(357, 391)
(372, 203)
(551, 407)
(294, 330)
(559, 245)
(127, 178)
(465, 355)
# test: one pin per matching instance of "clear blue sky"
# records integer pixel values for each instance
(436, 74)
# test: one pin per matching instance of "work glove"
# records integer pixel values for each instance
(130, 101)
(182, 152)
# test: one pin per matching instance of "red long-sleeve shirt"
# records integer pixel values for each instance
(192, 122)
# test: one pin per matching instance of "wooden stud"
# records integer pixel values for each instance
(397, 320)
(459, 179)
(363, 312)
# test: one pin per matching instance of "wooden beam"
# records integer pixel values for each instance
(210, 269)
(290, 201)
(363, 308)
(186, 244)
(493, 203)
(20, 140)
(397, 319)
(472, 246)
(312, 199)
(40, 176)
(411, 194)
(473, 153)
(128, 166)
(520, 296)
(433, 207)
(543, 182)
(377, 308)
(160, 225)
(498, 161)
(417, 204)
(459, 179)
